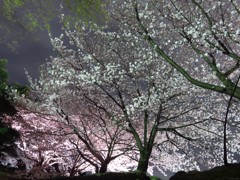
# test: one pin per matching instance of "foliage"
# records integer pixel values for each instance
(21, 17)
(5, 87)
(3, 76)
(87, 10)
(8, 135)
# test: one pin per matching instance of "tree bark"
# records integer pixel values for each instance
(143, 161)
(103, 167)
(225, 159)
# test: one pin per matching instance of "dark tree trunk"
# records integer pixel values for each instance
(103, 167)
(225, 153)
(143, 162)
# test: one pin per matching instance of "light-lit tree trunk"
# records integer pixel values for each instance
(225, 153)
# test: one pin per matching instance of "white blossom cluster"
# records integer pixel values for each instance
(202, 37)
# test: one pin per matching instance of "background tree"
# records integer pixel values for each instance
(96, 147)
(3, 76)
(8, 135)
(99, 145)
(44, 146)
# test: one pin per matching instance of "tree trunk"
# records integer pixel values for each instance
(143, 162)
(225, 153)
(103, 167)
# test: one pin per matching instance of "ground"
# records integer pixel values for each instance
(231, 172)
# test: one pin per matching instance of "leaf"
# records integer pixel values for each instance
(3, 131)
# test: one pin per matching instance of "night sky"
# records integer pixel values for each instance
(30, 53)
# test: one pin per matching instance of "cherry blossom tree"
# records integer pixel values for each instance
(44, 146)
(199, 39)
(103, 140)
(96, 147)
(115, 74)
(120, 77)
(45, 139)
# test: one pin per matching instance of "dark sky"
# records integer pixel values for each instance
(29, 55)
